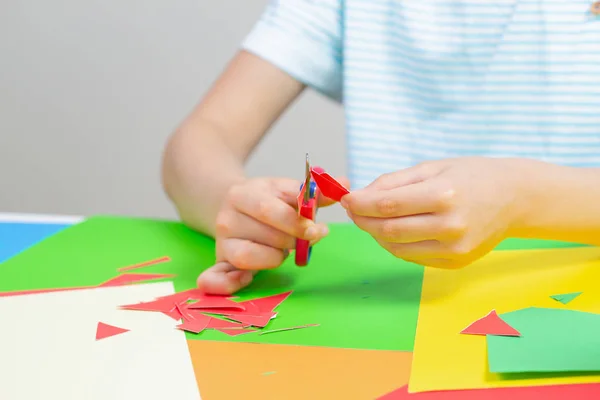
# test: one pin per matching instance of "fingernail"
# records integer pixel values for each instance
(310, 233)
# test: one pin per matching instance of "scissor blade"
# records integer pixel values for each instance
(307, 181)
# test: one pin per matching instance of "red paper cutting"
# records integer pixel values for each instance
(218, 302)
(104, 330)
(235, 332)
(491, 324)
(37, 291)
(125, 279)
(254, 320)
(162, 305)
(266, 304)
(145, 264)
(196, 325)
(553, 392)
(328, 186)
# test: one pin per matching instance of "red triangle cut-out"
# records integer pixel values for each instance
(266, 304)
(104, 330)
(491, 324)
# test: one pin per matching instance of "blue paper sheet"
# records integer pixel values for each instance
(16, 237)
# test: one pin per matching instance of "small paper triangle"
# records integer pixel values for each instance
(328, 186)
(565, 297)
(491, 324)
(104, 330)
(266, 304)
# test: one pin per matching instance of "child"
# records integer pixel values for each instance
(468, 122)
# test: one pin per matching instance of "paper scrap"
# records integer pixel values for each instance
(491, 324)
(553, 340)
(196, 325)
(104, 331)
(218, 302)
(288, 329)
(235, 332)
(328, 186)
(267, 304)
(145, 264)
(126, 279)
(566, 297)
(254, 320)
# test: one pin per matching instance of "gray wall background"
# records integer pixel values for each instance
(90, 90)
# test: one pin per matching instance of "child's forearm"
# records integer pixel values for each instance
(561, 203)
(198, 169)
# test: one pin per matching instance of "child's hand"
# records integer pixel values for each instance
(256, 227)
(444, 213)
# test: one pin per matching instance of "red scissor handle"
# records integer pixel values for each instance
(307, 210)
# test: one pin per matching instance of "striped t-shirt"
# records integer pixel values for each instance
(432, 79)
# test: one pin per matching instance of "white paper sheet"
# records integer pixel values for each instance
(48, 347)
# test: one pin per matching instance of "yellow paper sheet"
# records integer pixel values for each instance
(444, 359)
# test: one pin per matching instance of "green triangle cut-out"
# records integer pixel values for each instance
(565, 297)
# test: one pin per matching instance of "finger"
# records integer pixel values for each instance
(410, 229)
(426, 249)
(407, 176)
(224, 278)
(271, 210)
(247, 255)
(241, 226)
(424, 197)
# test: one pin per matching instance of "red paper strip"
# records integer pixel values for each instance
(328, 186)
(196, 325)
(36, 291)
(125, 279)
(216, 323)
(291, 328)
(104, 330)
(218, 302)
(145, 264)
(553, 392)
(253, 320)
(491, 324)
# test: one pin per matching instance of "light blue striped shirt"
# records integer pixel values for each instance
(432, 79)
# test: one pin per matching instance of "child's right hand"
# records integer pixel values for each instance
(256, 227)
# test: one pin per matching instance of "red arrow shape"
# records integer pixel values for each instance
(104, 330)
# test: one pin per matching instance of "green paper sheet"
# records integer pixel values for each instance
(329, 291)
(552, 340)
(566, 297)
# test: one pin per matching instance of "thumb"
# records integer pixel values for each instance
(326, 201)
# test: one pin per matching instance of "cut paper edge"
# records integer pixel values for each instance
(145, 264)
(104, 331)
(126, 279)
(491, 324)
(545, 392)
(565, 298)
(269, 303)
(37, 291)
(235, 332)
(328, 186)
(291, 328)
(259, 321)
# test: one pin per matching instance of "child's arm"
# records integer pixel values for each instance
(205, 156)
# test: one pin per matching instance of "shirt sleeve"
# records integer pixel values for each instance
(304, 39)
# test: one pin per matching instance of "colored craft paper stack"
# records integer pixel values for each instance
(521, 341)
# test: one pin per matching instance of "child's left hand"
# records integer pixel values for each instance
(443, 213)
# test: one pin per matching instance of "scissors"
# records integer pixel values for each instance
(308, 199)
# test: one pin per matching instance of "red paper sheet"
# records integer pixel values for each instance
(491, 324)
(328, 186)
(586, 391)
(126, 279)
(145, 264)
(104, 330)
